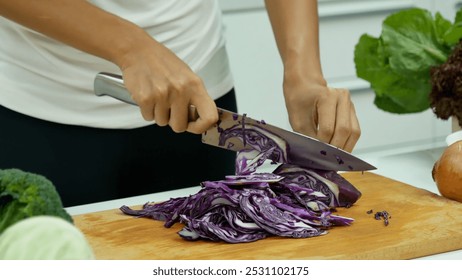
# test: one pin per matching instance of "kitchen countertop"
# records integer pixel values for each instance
(410, 165)
(413, 166)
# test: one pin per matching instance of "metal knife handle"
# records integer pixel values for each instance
(113, 85)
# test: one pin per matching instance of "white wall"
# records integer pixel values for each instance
(257, 67)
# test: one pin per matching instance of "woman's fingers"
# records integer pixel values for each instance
(164, 87)
(338, 123)
(325, 113)
(207, 111)
(355, 131)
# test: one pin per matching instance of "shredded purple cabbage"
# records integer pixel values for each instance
(255, 209)
(291, 201)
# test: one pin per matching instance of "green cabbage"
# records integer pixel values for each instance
(44, 238)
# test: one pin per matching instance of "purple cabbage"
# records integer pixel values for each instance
(274, 220)
(258, 139)
(291, 201)
(248, 160)
(227, 223)
(254, 209)
(338, 192)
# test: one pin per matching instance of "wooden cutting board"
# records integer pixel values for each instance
(421, 224)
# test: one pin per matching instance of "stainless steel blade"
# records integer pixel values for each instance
(238, 132)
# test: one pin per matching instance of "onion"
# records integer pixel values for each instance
(447, 172)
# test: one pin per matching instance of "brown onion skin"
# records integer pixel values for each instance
(447, 172)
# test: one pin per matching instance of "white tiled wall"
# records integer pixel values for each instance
(258, 72)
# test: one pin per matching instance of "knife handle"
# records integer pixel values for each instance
(113, 85)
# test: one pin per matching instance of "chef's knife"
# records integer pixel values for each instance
(237, 132)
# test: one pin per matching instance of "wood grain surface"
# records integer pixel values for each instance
(421, 224)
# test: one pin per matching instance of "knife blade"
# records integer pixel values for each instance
(238, 132)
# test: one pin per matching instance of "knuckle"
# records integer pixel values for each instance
(177, 86)
(327, 130)
(298, 128)
(342, 94)
(142, 99)
(343, 130)
(296, 124)
(212, 119)
(209, 118)
(195, 130)
(161, 123)
(185, 84)
(160, 92)
(178, 128)
(356, 133)
(205, 123)
(148, 99)
(147, 115)
(178, 125)
(194, 82)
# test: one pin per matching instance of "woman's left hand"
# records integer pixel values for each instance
(322, 112)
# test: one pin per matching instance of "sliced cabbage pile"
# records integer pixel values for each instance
(291, 201)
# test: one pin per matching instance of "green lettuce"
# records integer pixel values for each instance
(397, 64)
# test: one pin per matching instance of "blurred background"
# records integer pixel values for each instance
(257, 69)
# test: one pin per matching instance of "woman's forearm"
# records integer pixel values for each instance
(314, 108)
(160, 83)
(77, 23)
(295, 26)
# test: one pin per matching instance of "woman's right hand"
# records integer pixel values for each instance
(164, 87)
(161, 84)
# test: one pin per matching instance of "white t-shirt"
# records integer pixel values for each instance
(46, 79)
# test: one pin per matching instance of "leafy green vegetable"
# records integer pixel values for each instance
(397, 63)
(24, 195)
(454, 32)
(44, 238)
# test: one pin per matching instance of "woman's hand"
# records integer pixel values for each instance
(161, 84)
(164, 87)
(314, 108)
(322, 112)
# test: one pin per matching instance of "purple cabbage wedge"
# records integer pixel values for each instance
(337, 191)
(291, 201)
